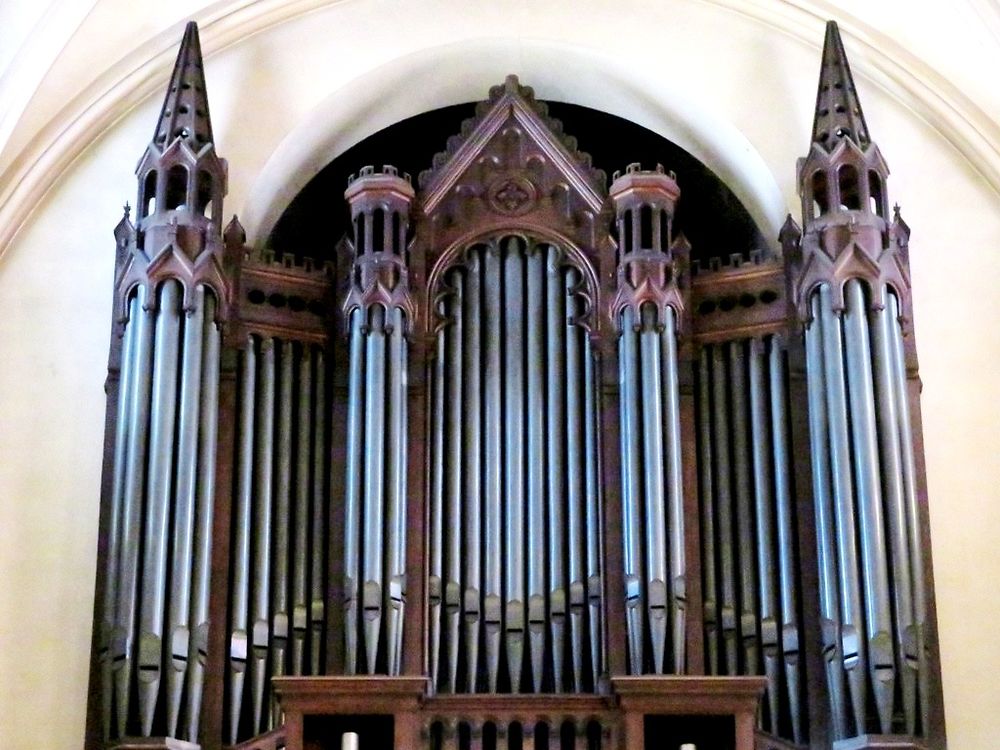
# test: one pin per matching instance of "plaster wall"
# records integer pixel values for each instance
(735, 91)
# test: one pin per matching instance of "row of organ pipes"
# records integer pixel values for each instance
(514, 471)
(872, 599)
(155, 631)
(278, 558)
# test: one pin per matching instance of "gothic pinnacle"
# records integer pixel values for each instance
(838, 110)
(185, 109)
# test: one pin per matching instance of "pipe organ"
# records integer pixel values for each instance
(514, 464)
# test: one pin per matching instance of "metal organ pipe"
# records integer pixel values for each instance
(396, 503)
(300, 562)
(435, 573)
(282, 515)
(159, 495)
(514, 463)
(317, 579)
(723, 503)
(126, 394)
(675, 487)
(631, 489)
(654, 496)
(241, 541)
(184, 505)
(453, 536)
(374, 486)
(556, 469)
(202, 565)
(263, 498)
(472, 463)
(575, 477)
(744, 508)
(915, 640)
(492, 438)
(595, 583)
(706, 493)
(786, 539)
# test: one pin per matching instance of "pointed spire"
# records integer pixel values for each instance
(185, 109)
(838, 110)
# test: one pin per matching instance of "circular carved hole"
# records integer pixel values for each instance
(707, 307)
(768, 296)
(256, 296)
(277, 300)
(747, 300)
(727, 303)
(296, 304)
(316, 308)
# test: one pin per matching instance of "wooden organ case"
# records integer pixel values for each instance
(514, 470)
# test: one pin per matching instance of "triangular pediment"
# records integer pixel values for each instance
(508, 151)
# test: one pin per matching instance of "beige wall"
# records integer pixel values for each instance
(293, 83)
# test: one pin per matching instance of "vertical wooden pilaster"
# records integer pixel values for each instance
(415, 614)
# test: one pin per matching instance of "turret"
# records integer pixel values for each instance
(650, 262)
(182, 180)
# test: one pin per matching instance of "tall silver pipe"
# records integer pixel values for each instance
(122, 642)
(374, 482)
(628, 361)
(492, 440)
(651, 410)
(826, 552)
(766, 567)
(472, 463)
(555, 296)
(184, 507)
(126, 393)
(878, 617)
(317, 576)
(436, 524)
(395, 597)
(916, 638)
(456, 416)
(895, 505)
(744, 505)
(592, 514)
(706, 492)
(536, 460)
(300, 535)
(852, 644)
(786, 536)
(675, 489)
(724, 509)
(202, 565)
(575, 479)
(159, 498)
(514, 475)
(241, 542)
(282, 516)
(263, 499)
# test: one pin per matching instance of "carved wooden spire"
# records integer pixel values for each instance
(838, 110)
(185, 108)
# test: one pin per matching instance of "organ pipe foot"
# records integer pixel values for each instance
(633, 622)
(557, 624)
(471, 607)
(679, 610)
(514, 641)
(657, 613)
(237, 676)
(790, 648)
(179, 651)
(394, 624)
(854, 667)
(149, 680)
(536, 635)
(909, 675)
(576, 607)
(883, 674)
(452, 600)
(492, 626)
(372, 604)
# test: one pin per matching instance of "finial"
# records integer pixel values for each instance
(838, 110)
(127, 209)
(185, 108)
